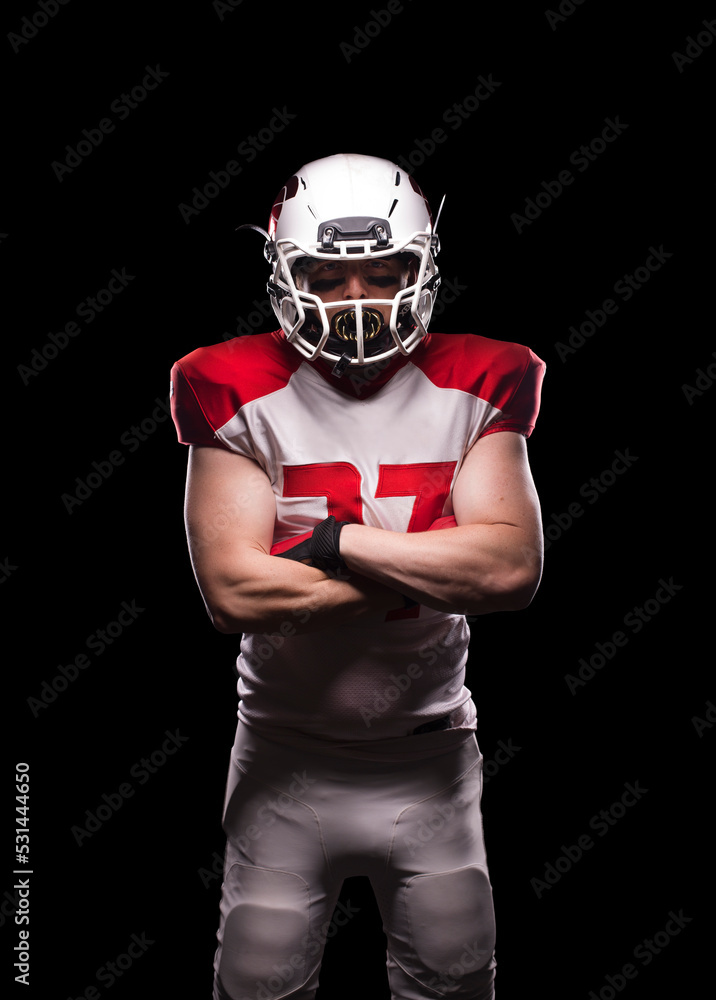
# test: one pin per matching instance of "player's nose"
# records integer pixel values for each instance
(354, 285)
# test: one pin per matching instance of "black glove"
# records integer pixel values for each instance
(321, 548)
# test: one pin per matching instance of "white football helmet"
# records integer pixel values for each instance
(350, 207)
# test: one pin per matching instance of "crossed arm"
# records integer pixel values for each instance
(492, 560)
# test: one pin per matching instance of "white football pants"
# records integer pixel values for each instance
(298, 823)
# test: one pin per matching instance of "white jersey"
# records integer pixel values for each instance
(381, 447)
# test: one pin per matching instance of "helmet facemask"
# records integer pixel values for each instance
(355, 331)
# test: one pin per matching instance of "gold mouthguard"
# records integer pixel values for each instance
(344, 324)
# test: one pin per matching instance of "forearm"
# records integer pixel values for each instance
(275, 595)
(470, 569)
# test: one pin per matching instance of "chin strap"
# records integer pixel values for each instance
(341, 365)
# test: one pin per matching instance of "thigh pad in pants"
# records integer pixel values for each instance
(265, 933)
(451, 928)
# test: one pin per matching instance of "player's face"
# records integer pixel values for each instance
(338, 280)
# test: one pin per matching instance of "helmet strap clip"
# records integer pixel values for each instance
(341, 365)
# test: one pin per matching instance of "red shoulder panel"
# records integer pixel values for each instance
(508, 376)
(210, 385)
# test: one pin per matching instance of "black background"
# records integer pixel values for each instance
(645, 717)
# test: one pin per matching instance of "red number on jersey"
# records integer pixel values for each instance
(428, 482)
(340, 484)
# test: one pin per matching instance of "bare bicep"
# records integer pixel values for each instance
(230, 511)
(495, 484)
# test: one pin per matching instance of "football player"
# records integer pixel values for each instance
(357, 486)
